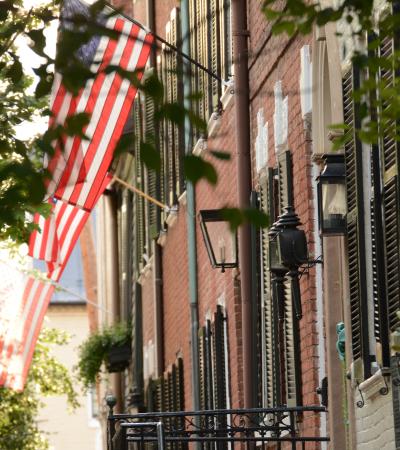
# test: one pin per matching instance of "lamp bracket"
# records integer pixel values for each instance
(305, 268)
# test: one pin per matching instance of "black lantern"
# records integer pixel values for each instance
(332, 195)
(221, 242)
(288, 251)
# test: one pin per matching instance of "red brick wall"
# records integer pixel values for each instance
(273, 59)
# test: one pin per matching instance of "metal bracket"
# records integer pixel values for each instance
(360, 403)
(384, 390)
(305, 268)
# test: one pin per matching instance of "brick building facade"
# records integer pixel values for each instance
(188, 331)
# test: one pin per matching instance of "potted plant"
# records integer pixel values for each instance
(111, 346)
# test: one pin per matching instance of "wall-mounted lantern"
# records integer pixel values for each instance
(221, 242)
(332, 204)
(288, 251)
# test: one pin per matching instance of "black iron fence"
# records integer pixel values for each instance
(276, 428)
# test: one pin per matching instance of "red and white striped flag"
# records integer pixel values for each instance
(79, 167)
(60, 231)
(23, 304)
(24, 299)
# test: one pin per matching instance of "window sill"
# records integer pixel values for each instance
(214, 124)
(146, 271)
(200, 147)
(374, 385)
(172, 216)
(227, 96)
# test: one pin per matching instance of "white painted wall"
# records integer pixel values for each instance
(76, 430)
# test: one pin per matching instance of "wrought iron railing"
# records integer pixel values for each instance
(262, 428)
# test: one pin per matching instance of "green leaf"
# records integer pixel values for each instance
(124, 144)
(284, 27)
(15, 72)
(256, 217)
(234, 216)
(38, 41)
(196, 168)
(150, 156)
(44, 87)
(76, 123)
(225, 156)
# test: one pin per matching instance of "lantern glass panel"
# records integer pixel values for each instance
(223, 242)
(333, 205)
(275, 255)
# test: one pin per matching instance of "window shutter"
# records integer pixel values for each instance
(202, 370)
(194, 36)
(125, 252)
(219, 360)
(152, 177)
(355, 228)
(139, 202)
(226, 39)
(177, 97)
(292, 351)
(215, 52)
(169, 126)
(202, 52)
(290, 360)
(390, 156)
(285, 177)
(209, 365)
(179, 385)
(270, 337)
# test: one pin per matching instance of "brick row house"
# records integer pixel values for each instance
(192, 346)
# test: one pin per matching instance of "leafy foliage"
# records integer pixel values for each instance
(93, 352)
(378, 97)
(22, 178)
(19, 429)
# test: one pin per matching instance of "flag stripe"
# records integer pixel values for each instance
(16, 335)
(96, 100)
(61, 167)
(87, 192)
(101, 139)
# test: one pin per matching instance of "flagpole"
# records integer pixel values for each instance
(171, 46)
(141, 193)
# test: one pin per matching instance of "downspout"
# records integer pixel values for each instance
(240, 35)
(191, 220)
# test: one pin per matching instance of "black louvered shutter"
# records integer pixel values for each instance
(270, 338)
(209, 365)
(138, 182)
(219, 360)
(177, 97)
(168, 64)
(226, 38)
(390, 156)
(194, 36)
(289, 341)
(215, 52)
(285, 180)
(202, 369)
(126, 252)
(202, 14)
(355, 229)
(152, 177)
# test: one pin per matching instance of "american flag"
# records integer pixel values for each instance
(24, 300)
(80, 165)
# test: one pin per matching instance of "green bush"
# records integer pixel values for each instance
(93, 352)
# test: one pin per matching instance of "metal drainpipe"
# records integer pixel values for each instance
(191, 221)
(240, 35)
